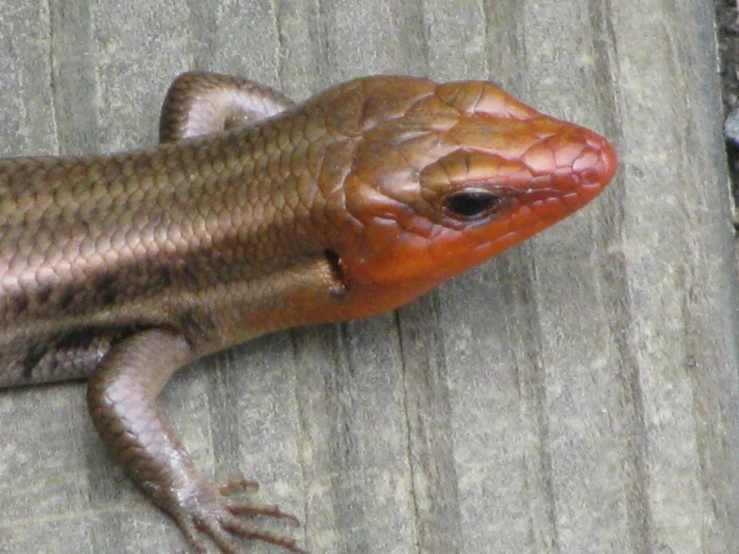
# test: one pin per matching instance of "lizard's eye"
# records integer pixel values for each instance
(470, 204)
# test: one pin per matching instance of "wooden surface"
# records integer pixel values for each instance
(579, 394)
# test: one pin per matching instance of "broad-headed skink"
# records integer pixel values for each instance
(256, 214)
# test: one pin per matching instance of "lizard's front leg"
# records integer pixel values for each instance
(122, 399)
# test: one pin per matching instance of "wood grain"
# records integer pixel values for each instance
(578, 394)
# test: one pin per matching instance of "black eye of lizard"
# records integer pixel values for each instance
(471, 203)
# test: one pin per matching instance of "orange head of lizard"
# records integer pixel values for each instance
(446, 176)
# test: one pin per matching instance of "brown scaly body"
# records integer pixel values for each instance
(123, 268)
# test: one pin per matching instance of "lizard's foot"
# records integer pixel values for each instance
(211, 511)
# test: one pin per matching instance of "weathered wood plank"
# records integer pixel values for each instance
(578, 394)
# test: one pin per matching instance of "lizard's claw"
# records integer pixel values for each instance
(212, 512)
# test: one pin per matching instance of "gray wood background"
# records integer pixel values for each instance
(578, 394)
